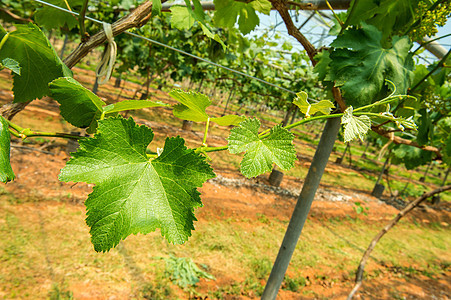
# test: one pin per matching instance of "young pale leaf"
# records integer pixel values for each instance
(323, 106)
(227, 12)
(263, 6)
(40, 64)
(181, 18)
(12, 65)
(361, 65)
(79, 106)
(260, 154)
(228, 120)
(6, 172)
(355, 127)
(132, 194)
(192, 107)
(131, 104)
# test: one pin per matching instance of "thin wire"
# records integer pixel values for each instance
(174, 49)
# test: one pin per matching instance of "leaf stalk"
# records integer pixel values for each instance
(207, 125)
(27, 132)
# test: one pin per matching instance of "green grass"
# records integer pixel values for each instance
(45, 252)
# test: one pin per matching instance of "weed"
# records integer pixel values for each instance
(156, 291)
(262, 218)
(184, 272)
(251, 284)
(234, 290)
(293, 284)
(261, 267)
(360, 209)
(60, 293)
(9, 196)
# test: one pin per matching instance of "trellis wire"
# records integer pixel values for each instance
(173, 48)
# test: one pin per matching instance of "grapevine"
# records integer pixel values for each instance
(368, 71)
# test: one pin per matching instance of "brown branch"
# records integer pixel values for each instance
(282, 8)
(14, 16)
(136, 18)
(400, 140)
(402, 213)
(320, 5)
(337, 96)
(9, 110)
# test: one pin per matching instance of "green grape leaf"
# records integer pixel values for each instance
(425, 128)
(323, 106)
(198, 11)
(40, 64)
(134, 194)
(322, 67)
(448, 146)
(2, 32)
(131, 105)
(58, 18)
(79, 106)
(181, 18)
(156, 7)
(260, 154)
(387, 15)
(227, 12)
(228, 120)
(447, 152)
(355, 127)
(361, 65)
(192, 105)
(6, 172)
(12, 65)
(215, 37)
(411, 157)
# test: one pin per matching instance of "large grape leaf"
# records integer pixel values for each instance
(411, 157)
(261, 154)
(6, 172)
(227, 12)
(447, 152)
(355, 127)
(134, 194)
(52, 18)
(387, 15)
(79, 106)
(360, 64)
(425, 128)
(39, 62)
(192, 105)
